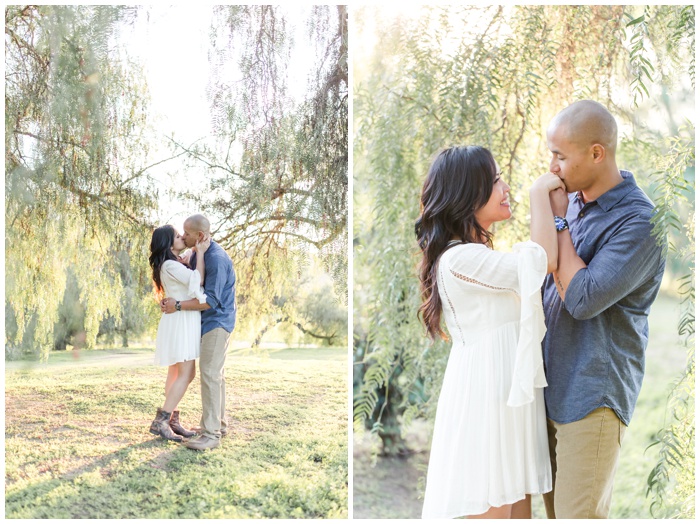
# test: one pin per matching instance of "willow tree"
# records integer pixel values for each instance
(495, 76)
(75, 134)
(277, 171)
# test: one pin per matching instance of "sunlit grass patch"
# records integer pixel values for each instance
(78, 446)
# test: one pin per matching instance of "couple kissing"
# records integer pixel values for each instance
(197, 292)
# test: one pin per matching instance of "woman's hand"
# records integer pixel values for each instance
(548, 182)
(203, 245)
(542, 230)
(559, 200)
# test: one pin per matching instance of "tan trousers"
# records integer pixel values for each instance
(584, 457)
(212, 357)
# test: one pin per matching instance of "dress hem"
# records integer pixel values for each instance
(483, 509)
(176, 362)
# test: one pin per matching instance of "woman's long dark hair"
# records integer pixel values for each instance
(161, 250)
(460, 182)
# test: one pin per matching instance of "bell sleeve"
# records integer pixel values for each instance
(529, 369)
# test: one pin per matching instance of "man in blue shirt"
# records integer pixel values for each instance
(596, 305)
(218, 321)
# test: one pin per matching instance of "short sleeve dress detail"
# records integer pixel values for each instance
(489, 445)
(179, 333)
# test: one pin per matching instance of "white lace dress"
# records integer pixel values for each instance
(489, 444)
(179, 333)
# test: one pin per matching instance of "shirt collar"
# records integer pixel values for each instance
(211, 245)
(612, 196)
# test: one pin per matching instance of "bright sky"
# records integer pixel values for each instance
(171, 43)
(174, 44)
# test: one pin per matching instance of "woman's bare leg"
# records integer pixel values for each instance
(172, 375)
(501, 512)
(522, 509)
(179, 386)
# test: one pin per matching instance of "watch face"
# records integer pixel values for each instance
(560, 223)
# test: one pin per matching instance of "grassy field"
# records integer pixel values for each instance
(77, 443)
(392, 488)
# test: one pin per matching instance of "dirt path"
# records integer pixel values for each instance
(390, 488)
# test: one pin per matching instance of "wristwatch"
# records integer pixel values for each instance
(560, 223)
(178, 306)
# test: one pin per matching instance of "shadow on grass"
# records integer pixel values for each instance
(112, 486)
(286, 457)
(240, 479)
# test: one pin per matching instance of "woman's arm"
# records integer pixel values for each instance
(542, 229)
(200, 249)
(569, 263)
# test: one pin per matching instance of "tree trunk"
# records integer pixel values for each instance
(256, 342)
(258, 338)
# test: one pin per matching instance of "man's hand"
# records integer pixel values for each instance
(167, 305)
(559, 200)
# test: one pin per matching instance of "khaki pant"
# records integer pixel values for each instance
(584, 457)
(211, 369)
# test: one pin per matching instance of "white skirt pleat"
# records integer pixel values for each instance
(484, 453)
(178, 338)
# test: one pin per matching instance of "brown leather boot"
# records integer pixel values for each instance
(161, 426)
(177, 427)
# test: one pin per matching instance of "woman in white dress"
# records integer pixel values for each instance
(489, 450)
(179, 334)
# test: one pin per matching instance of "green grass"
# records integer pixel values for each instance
(392, 488)
(77, 443)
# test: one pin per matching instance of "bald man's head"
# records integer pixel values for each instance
(582, 139)
(586, 123)
(196, 228)
(198, 223)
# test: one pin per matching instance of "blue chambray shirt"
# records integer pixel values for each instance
(220, 288)
(595, 342)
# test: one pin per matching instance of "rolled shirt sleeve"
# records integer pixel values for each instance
(628, 259)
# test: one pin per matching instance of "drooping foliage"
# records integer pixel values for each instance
(277, 169)
(75, 143)
(303, 308)
(495, 76)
